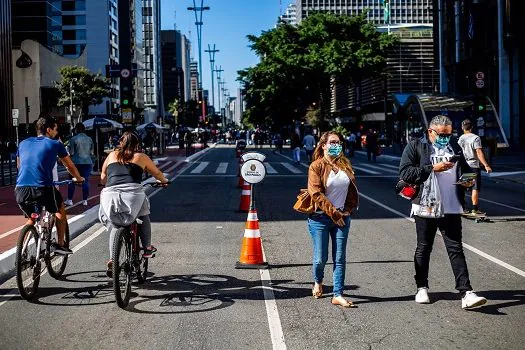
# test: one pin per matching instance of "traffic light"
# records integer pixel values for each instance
(126, 96)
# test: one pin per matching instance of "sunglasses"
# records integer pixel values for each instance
(333, 142)
(441, 135)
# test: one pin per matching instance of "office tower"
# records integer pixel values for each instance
(6, 75)
(289, 15)
(194, 81)
(153, 100)
(74, 28)
(401, 11)
(176, 67)
(38, 20)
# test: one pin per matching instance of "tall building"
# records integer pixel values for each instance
(194, 81)
(481, 50)
(39, 20)
(102, 47)
(74, 27)
(172, 74)
(153, 100)
(290, 15)
(6, 73)
(401, 11)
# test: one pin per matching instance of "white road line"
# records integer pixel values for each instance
(378, 168)
(366, 170)
(390, 166)
(222, 168)
(507, 173)
(291, 159)
(501, 204)
(270, 169)
(465, 245)
(274, 321)
(200, 168)
(291, 168)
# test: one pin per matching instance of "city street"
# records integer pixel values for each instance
(194, 297)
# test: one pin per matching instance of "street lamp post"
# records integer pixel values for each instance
(212, 65)
(219, 93)
(198, 23)
(71, 93)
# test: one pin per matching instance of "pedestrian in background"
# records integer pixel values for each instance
(295, 145)
(371, 145)
(429, 158)
(309, 145)
(331, 185)
(81, 150)
(473, 151)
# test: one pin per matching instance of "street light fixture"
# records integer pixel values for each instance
(212, 65)
(198, 23)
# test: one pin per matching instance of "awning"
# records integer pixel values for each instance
(374, 117)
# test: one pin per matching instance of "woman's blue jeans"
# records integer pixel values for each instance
(322, 229)
(85, 172)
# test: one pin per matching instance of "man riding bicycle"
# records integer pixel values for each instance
(36, 157)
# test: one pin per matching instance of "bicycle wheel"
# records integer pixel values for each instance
(122, 267)
(56, 263)
(28, 268)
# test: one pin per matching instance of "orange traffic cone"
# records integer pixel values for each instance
(245, 197)
(241, 180)
(251, 251)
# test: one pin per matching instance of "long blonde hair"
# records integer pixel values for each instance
(341, 161)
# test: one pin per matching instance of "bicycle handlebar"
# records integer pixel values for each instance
(66, 182)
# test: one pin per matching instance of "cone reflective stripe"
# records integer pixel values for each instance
(245, 197)
(252, 256)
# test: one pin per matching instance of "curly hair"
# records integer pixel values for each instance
(340, 161)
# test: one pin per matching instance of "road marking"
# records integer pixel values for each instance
(200, 168)
(378, 168)
(270, 169)
(390, 166)
(366, 170)
(291, 159)
(222, 168)
(291, 168)
(507, 173)
(274, 321)
(501, 204)
(465, 245)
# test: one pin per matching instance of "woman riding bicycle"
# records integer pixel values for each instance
(123, 200)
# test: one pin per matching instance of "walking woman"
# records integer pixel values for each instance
(331, 184)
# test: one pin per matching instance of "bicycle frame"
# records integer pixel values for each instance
(44, 225)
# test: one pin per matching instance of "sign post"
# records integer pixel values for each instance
(15, 113)
(253, 171)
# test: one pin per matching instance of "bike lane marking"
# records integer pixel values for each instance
(465, 245)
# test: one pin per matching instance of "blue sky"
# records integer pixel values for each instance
(226, 25)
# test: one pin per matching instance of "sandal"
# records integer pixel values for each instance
(319, 292)
(149, 252)
(341, 301)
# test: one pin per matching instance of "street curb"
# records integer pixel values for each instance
(76, 228)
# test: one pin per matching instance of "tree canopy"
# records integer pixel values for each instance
(298, 63)
(89, 89)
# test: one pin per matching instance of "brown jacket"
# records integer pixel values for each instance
(317, 178)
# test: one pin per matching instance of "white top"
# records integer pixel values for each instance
(446, 181)
(337, 188)
(470, 143)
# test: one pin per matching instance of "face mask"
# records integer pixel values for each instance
(334, 150)
(442, 141)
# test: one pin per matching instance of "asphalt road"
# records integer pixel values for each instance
(195, 299)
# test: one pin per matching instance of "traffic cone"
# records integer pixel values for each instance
(251, 251)
(241, 180)
(246, 192)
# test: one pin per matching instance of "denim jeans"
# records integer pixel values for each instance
(322, 228)
(85, 172)
(450, 227)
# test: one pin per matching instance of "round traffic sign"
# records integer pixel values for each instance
(125, 73)
(480, 75)
(253, 171)
(480, 83)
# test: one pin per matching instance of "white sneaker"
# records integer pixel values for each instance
(68, 202)
(84, 203)
(472, 300)
(422, 296)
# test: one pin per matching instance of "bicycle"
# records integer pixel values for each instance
(34, 248)
(128, 260)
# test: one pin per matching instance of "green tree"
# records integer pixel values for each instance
(298, 63)
(89, 89)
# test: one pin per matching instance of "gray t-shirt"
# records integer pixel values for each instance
(469, 143)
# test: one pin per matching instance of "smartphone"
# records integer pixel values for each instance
(455, 158)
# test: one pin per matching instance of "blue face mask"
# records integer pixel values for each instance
(442, 141)
(334, 150)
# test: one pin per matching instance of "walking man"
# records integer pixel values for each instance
(432, 158)
(309, 145)
(471, 145)
(371, 145)
(81, 150)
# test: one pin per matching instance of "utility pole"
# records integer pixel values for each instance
(219, 70)
(198, 23)
(212, 65)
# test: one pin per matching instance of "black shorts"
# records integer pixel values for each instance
(28, 197)
(477, 185)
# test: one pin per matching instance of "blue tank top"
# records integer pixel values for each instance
(119, 174)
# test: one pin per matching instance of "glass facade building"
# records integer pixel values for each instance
(6, 73)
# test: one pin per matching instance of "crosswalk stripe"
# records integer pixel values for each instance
(221, 169)
(366, 170)
(378, 168)
(390, 166)
(200, 168)
(291, 168)
(270, 169)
